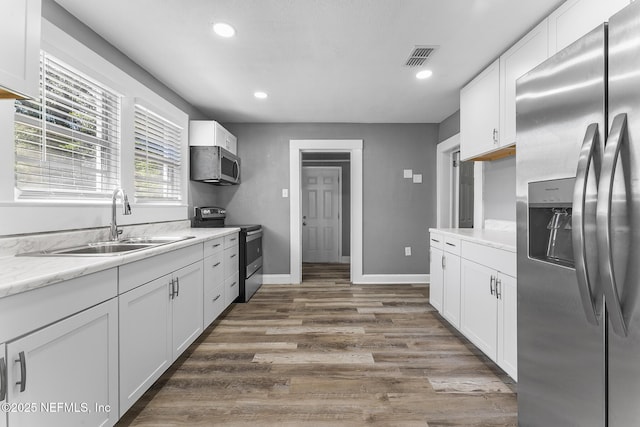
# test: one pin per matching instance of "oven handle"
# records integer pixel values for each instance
(254, 235)
(251, 233)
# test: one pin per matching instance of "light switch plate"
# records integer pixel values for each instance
(285, 192)
(417, 178)
(408, 173)
(407, 251)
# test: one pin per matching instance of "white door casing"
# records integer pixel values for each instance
(321, 196)
(352, 146)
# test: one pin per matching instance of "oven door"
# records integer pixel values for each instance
(253, 252)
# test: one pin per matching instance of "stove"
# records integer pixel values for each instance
(250, 241)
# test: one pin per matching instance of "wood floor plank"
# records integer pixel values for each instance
(326, 353)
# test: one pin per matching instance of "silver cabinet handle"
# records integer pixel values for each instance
(216, 245)
(435, 240)
(177, 286)
(23, 371)
(216, 298)
(498, 288)
(232, 285)
(232, 256)
(172, 294)
(492, 283)
(3, 379)
(451, 244)
(495, 135)
(443, 262)
(603, 224)
(590, 291)
(233, 239)
(216, 264)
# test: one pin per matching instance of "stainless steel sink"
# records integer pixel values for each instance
(110, 248)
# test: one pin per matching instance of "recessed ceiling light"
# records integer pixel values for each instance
(224, 30)
(424, 74)
(260, 95)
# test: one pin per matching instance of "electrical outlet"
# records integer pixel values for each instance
(408, 173)
(417, 178)
(285, 192)
(407, 251)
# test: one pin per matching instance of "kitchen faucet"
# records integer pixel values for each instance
(126, 210)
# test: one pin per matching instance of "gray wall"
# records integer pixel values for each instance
(500, 189)
(449, 126)
(397, 212)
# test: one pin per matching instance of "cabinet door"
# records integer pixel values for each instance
(232, 288)
(20, 48)
(575, 18)
(508, 325)
(480, 113)
(3, 383)
(69, 370)
(187, 307)
(214, 300)
(145, 338)
(451, 297)
(479, 306)
(529, 52)
(436, 278)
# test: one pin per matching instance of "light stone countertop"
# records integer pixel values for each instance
(23, 273)
(500, 239)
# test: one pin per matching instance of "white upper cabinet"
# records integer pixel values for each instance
(575, 18)
(480, 113)
(20, 49)
(529, 52)
(209, 132)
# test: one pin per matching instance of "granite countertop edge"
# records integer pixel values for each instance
(499, 239)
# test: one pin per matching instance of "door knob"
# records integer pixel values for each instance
(304, 223)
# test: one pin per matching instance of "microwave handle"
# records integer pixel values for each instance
(236, 169)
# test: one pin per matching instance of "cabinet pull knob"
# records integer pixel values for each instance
(216, 264)
(216, 298)
(491, 285)
(3, 379)
(23, 371)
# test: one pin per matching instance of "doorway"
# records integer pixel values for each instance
(325, 187)
(354, 149)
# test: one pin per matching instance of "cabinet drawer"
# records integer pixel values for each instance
(214, 303)
(232, 288)
(213, 246)
(497, 259)
(231, 261)
(231, 240)
(214, 270)
(451, 245)
(143, 271)
(436, 240)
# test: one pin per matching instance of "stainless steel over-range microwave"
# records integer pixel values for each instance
(215, 165)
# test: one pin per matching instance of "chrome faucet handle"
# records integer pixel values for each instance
(126, 206)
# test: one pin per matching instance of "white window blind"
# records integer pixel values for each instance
(67, 143)
(158, 159)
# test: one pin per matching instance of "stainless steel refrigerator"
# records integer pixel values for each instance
(578, 211)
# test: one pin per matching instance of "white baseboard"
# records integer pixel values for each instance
(276, 279)
(345, 259)
(393, 279)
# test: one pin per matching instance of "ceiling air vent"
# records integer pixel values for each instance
(419, 55)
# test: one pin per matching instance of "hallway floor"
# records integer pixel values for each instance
(327, 353)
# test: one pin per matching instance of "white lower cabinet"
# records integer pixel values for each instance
(451, 273)
(436, 278)
(231, 265)
(3, 384)
(158, 321)
(66, 373)
(214, 296)
(489, 313)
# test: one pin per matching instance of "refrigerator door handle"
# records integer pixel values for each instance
(589, 158)
(603, 218)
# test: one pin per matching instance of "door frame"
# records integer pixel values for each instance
(339, 169)
(296, 147)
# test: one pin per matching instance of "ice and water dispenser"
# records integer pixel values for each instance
(550, 207)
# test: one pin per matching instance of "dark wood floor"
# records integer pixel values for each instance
(327, 353)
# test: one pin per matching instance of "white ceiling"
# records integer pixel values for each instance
(319, 60)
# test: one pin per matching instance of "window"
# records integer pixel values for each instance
(67, 143)
(157, 158)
